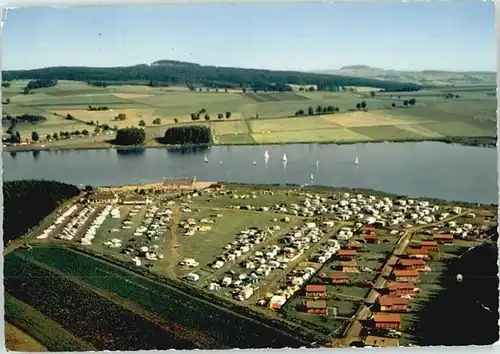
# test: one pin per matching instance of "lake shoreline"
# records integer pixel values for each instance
(98, 146)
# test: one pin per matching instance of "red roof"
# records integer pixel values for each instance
(407, 273)
(339, 275)
(387, 317)
(388, 300)
(354, 244)
(347, 253)
(317, 288)
(371, 236)
(396, 285)
(367, 228)
(316, 304)
(411, 262)
(417, 251)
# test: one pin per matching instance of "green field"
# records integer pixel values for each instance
(259, 117)
(53, 270)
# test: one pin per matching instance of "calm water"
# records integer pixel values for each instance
(434, 170)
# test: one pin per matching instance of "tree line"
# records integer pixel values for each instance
(319, 110)
(39, 83)
(14, 135)
(98, 108)
(28, 202)
(203, 113)
(209, 76)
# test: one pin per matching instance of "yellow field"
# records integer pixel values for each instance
(284, 124)
(134, 115)
(369, 119)
(130, 96)
(305, 136)
(17, 340)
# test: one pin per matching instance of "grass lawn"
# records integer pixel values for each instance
(236, 139)
(458, 129)
(206, 246)
(387, 132)
(306, 136)
(294, 310)
(290, 124)
(17, 340)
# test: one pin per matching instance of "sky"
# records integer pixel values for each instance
(449, 35)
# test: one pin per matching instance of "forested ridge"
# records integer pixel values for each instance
(28, 202)
(181, 73)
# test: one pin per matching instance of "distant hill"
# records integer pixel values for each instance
(424, 78)
(191, 74)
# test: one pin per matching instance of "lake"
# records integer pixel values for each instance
(433, 170)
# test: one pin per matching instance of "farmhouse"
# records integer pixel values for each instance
(409, 276)
(349, 266)
(431, 246)
(386, 320)
(443, 238)
(389, 303)
(347, 254)
(317, 307)
(418, 253)
(367, 230)
(316, 291)
(102, 198)
(353, 245)
(218, 186)
(401, 289)
(371, 238)
(339, 278)
(411, 264)
(179, 184)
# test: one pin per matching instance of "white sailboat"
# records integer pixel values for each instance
(285, 159)
(266, 155)
(312, 176)
(254, 162)
(356, 161)
(206, 158)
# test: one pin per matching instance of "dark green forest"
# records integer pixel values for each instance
(187, 135)
(167, 72)
(130, 136)
(28, 202)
